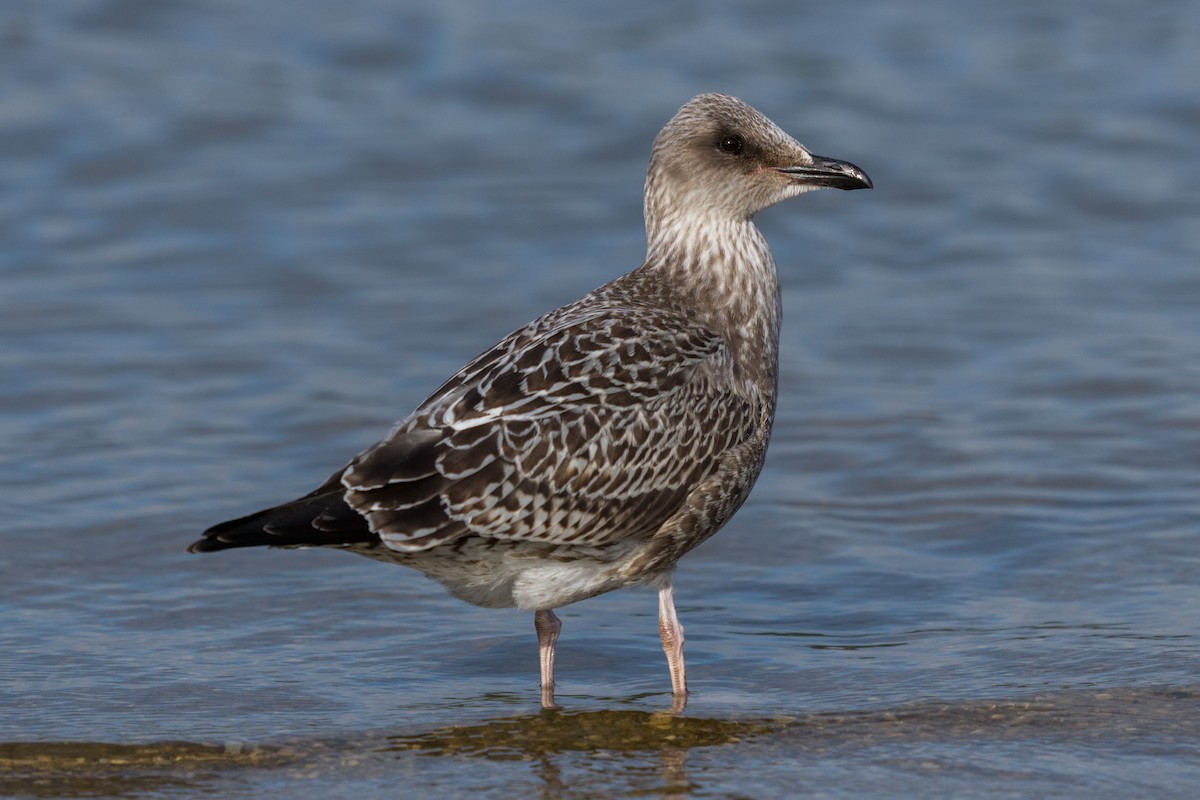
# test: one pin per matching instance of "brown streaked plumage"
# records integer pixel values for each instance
(590, 449)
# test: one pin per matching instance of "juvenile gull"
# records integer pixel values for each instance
(590, 449)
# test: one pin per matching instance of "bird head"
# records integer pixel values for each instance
(719, 156)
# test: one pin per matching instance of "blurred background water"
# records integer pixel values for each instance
(241, 239)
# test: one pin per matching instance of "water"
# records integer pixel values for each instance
(241, 239)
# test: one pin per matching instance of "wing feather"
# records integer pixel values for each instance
(586, 431)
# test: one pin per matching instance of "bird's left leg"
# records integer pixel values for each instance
(548, 626)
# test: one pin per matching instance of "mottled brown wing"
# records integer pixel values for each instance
(591, 431)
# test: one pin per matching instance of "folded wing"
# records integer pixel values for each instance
(580, 431)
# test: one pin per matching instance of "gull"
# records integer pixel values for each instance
(590, 449)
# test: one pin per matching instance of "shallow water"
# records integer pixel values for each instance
(242, 239)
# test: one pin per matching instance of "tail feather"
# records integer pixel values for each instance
(319, 518)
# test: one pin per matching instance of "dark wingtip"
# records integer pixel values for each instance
(292, 524)
(206, 545)
(245, 531)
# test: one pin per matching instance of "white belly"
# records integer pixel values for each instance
(519, 575)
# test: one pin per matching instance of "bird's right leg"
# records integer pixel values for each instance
(672, 640)
(548, 627)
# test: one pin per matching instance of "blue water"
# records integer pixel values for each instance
(241, 239)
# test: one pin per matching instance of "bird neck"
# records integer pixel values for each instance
(720, 271)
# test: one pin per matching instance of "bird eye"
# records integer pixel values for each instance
(731, 144)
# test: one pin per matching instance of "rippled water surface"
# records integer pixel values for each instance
(241, 239)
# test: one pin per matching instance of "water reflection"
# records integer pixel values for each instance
(645, 753)
(620, 744)
(556, 731)
(649, 750)
(1172, 710)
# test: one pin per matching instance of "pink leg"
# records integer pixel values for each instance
(548, 627)
(672, 639)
